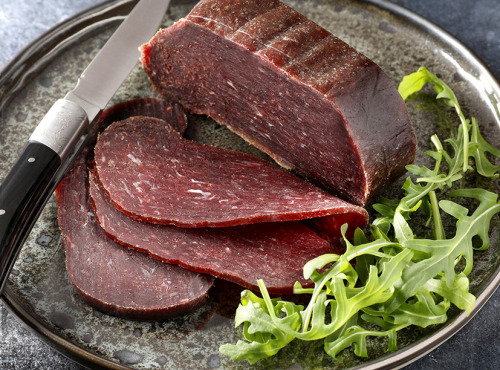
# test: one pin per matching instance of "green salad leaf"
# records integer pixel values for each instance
(262, 339)
(355, 335)
(392, 278)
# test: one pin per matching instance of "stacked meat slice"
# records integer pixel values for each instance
(109, 277)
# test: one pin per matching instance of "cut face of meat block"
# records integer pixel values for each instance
(289, 87)
(153, 174)
(275, 252)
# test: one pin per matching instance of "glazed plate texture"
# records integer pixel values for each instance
(39, 291)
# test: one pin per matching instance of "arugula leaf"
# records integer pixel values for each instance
(260, 341)
(422, 311)
(356, 336)
(392, 279)
(458, 294)
(478, 147)
(443, 254)
(469, 142)
(416, 81)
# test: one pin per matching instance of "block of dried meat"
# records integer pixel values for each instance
(289, 87)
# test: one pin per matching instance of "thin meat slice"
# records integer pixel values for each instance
(114, 279)
(289, 87)
(111, 278)
(274, 252)
(153, 174)
(150, 107)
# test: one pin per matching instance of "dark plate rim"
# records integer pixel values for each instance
(36, 55)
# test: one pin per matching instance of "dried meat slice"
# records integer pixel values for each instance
(149, 107)
(275, 252)
(289, 87)
(111, 278)
(114, 279)
(153, 174)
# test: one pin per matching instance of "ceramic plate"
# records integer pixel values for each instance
(38, 290)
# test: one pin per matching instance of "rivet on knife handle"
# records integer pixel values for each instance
(21, 200)
(25, 190)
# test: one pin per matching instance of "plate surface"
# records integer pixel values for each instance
(38, 290)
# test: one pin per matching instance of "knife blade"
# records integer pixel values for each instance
(62, 132)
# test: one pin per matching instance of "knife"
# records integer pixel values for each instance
(62, 133)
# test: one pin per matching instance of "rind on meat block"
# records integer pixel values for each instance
(275, 252)
(289, 87)
(153, 174)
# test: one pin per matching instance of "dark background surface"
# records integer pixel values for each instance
(476, 23)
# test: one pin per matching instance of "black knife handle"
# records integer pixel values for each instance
(23, 194)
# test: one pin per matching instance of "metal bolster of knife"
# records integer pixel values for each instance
(61, 127)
